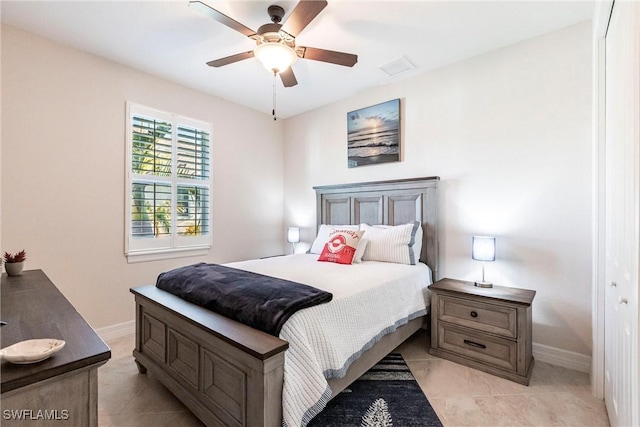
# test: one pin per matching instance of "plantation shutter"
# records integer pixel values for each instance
(193, 153)
(169, 183)
(193, 167)
(151, 146)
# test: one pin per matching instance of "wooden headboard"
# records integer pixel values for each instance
(385, 202)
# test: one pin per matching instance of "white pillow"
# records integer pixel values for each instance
(417, 246)
(393, 243)
(323, 236)
(362, 246)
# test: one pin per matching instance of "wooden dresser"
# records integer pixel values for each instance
(485, 328)
(63, 389)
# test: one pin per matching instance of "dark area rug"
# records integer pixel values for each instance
(386, 395)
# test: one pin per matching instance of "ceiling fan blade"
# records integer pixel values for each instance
(230, 59)
(304, 12)
(324, 55)
(288, 78)
(222, 18)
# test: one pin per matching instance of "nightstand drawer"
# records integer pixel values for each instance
(485, 317)
(495, 351)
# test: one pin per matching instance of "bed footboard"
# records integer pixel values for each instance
(227, 373)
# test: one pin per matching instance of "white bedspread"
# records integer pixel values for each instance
(370, 300)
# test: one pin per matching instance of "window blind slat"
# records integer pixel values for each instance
(193, 153)
(151, 146)
(193, 211)
(150, 210)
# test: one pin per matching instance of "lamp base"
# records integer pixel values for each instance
(483, 284)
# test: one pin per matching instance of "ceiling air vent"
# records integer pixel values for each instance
(397, 66)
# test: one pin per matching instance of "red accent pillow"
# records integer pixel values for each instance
(341, 247)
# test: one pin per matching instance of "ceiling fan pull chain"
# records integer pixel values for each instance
(273, 111)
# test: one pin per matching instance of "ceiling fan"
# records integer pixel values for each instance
(276, 43)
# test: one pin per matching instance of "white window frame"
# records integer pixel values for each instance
(175, 246)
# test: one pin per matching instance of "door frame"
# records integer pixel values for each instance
(601, 16)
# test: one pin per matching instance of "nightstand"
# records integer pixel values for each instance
(485, 328)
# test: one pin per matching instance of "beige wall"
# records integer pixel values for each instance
(63, 159)
(509, 133)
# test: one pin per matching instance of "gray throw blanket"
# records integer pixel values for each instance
(262, 302)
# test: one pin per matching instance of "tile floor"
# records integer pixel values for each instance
(461, 396)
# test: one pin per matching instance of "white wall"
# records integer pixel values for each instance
(509, 133)
(63, 159)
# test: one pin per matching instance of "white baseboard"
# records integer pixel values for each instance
(117, 331)
(564, 358)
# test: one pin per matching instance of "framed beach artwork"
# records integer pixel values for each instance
(374, 134)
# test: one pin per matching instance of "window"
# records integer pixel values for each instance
(168, 185)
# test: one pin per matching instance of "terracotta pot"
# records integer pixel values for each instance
(14, 268)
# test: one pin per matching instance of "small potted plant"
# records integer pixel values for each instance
(14, 263)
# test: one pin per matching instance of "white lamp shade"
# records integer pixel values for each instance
(483, 248)
(275, 57)
(293, 235)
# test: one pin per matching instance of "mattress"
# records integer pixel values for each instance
(370, 300)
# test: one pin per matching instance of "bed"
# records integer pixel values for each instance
(230, 374)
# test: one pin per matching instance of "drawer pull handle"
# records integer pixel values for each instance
(474, 344)
(474, 314)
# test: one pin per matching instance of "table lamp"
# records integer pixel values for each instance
(483, 249)
(293, 237)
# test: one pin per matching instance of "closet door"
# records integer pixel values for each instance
(622, 202)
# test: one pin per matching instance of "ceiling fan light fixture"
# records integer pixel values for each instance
(275, 57)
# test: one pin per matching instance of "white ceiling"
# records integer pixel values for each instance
(174, 41)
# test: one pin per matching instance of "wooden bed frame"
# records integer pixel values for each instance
(229, 374)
